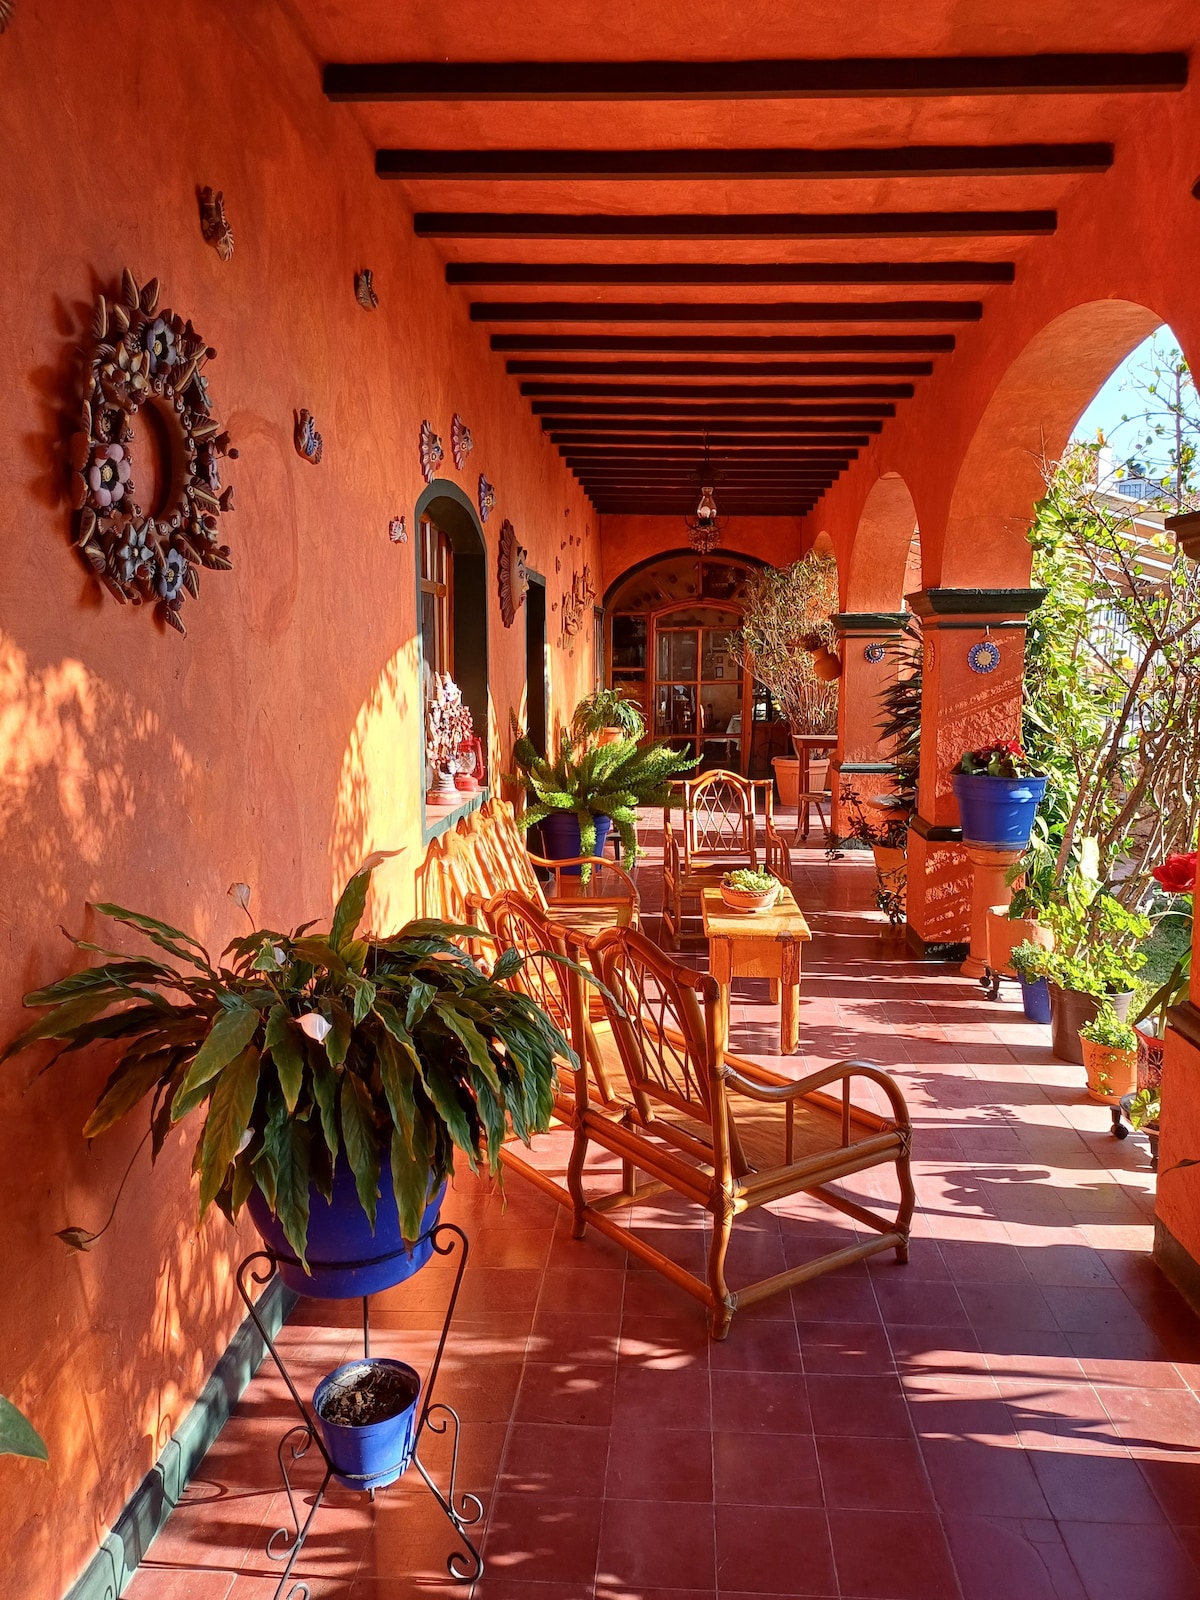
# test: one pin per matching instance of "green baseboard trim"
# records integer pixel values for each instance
(145, 1513)
(1177, 1264)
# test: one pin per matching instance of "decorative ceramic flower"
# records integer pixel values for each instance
(159, 340)
(107, 475)
(1177, 874)
(135, 555)
(170, 580)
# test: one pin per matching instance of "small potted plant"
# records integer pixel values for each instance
(997, 796)
(1095, 959)
(585, 791)
(748, 889)
(887, 839)
(337, 1076)
(607, 717)
(1143, 1110)
(1169, 946)
(1029, 962)
(367, 1413)
(1109, 1056)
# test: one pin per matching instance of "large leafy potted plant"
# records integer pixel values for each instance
(337, 1075)
(997, 796)
(589, 789)
(886, 835)
(1169, 947)
(607, 717)
(1095, 959)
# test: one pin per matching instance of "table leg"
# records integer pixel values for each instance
(775, 995)
(804, 757)
(789, 1010)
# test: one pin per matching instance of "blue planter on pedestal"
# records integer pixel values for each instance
(560, 836)
(1035, 997)
(997, 813)
(346, 1259)
(376, 1453)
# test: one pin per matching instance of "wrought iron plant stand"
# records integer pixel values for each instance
(462, 1510)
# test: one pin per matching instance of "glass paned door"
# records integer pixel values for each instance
(698, 687)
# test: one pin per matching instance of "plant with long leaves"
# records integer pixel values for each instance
(306, 1048)
(900, 703)
(607, 781)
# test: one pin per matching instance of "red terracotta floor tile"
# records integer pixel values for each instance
(656, 1542)
(670, 1463)
(852, 1349)
(1119, 1562)
(874, 1474)
(1095, 1488)
(772, 1550)
(968, 1476)
(544, 1539)
(1001, 1558)
(564, 1393)
(555, 1462)
(760, 1402)
(662, 1397)
(766, 1469)
(872, 1407)
(892, 1555)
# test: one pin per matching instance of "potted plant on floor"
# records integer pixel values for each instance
(607, 717)
(997, 796)
(886, 835)
(1168, 947)
(585, 791)
(337, 1076)
(1109, 1048)
(1095, 959)
(1029, 962)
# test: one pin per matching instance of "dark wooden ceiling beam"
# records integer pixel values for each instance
(728, 408)
(743, 225)
(662, 275)
(726, 311)
(904, 161)
(1112, 72)
(815, 432)
(730, 343)
(729, 439)
(722, 391)
(544, 367)
(693, 455)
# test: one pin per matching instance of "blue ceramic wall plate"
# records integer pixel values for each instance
(983, 657)
(874, 653)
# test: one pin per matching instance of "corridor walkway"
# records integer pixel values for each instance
(1012, 1416)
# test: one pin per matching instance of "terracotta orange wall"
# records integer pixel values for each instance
(276, 744)
(627, 541)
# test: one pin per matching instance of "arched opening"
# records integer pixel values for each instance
(1026, 424)
(880, 569)
(451, 576)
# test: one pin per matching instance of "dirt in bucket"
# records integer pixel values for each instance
(368, 1393)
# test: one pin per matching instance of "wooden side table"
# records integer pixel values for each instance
(759, 944)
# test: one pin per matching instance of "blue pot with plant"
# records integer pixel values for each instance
(997, 796)
(367, 1413)
(1030, 962)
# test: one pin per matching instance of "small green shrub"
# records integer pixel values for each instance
(1107, 1029)
(750, 881)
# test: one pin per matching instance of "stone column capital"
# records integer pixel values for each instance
(870, 624)
(975, 608)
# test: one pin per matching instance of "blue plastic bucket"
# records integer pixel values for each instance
(560, 836)
(371, 1455)
(346, 1259)
(1035, 997)
(997, 813)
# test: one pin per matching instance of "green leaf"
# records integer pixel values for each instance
(508, 965)
(289, 1144)
(173, 940)
(319, 953)
(325, 1089)
(410, 1178)
(364, 997)
(359, 1134)
(229, 1115)
(397, 1069)
(337, 1040)
(444, 1094)
(420, 997)
(129, 1083)
(18, 1436)
(228, 1037)
(472, 1041)
(60, 1022)
(282, 1043)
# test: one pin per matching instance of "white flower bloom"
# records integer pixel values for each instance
(316, 1026)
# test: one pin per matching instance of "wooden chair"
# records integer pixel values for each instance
(721, 1131)
(718, 831)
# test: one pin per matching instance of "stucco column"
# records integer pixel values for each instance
(962, 708)
(1177, 1196)
(861, 760)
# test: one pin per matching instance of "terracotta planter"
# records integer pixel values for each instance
(747, 899)
(1149, 1058)
(1110, 1073)
(787, 780)
(826, 665)
(1005, 933)
(609, 736)
(1070, 1011)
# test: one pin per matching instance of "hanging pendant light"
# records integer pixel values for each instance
(705, 525)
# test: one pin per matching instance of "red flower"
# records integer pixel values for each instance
(1178, 874)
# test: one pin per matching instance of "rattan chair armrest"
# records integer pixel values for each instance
(839, 1072)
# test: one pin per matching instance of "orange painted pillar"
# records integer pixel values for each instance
(861, 761)
(970, 696)
(1177, 1199)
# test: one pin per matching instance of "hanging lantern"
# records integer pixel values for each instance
(704, 525)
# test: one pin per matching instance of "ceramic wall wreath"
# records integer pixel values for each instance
(140, 360)
(511, 573)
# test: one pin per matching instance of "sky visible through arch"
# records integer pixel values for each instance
(1122, 395)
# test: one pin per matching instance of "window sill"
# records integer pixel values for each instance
(437, 820)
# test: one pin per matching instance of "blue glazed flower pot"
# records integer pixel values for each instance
(997, 813)
(369, 1455)
(1035, 997)
(346, 1259)
(560, 836)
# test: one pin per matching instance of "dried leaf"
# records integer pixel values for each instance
(241, 893)
(76, 1238)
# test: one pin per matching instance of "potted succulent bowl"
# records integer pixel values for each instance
(746, 889)
(607, 717)
(337, 1076)
(1109, 1048)
(997, 796)
(1028, 961)
(367, 1413)
(589, 789)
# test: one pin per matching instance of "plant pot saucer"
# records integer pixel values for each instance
(745, 900)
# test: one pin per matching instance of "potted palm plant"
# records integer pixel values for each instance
(337, 1076)
(997, 796)
(607, 717)
(588, 790)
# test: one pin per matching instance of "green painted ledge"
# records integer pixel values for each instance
(145, 1514)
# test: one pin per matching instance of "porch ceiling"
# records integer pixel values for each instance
(770, 246)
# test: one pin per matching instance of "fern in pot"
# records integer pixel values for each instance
(338, 1076)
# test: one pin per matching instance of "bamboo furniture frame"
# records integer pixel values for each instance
(759, 944)
(717, 832)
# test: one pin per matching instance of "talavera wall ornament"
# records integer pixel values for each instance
(309, 443)
(577, 604)
(213, 223)
(398, 530)
(511, 573)
(461, 442)
(364, 290)
(432, 454)
(139, 359)
(487, 498)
